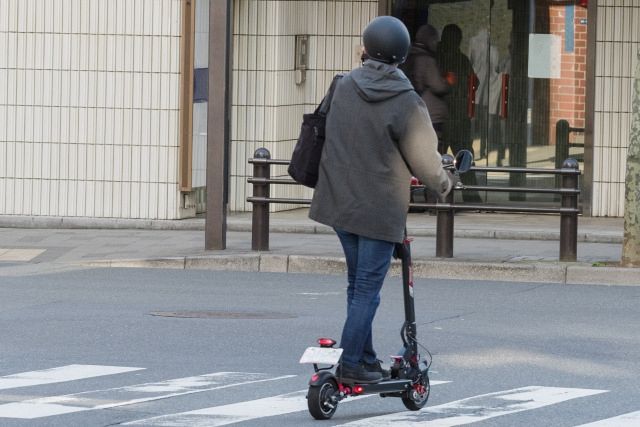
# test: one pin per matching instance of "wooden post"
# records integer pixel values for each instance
(218, 124)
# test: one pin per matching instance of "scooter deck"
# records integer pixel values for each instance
(388, 386)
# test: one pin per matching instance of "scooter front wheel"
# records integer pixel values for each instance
(322, 400)
(417, 397)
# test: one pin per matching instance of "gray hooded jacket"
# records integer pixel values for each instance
(378, 134)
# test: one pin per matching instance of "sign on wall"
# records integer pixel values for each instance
(545, 56)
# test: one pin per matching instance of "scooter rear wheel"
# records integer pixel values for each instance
(320, 399)
(415, 399)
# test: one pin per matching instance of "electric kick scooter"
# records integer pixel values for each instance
(409, 380)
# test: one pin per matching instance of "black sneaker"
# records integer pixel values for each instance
(377, 367)
(357, 375)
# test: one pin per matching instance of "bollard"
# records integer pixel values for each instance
(260, 214)
(569, 221)
(444, 227)
(444, 231)
(563, 129)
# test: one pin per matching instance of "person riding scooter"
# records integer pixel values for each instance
(378, 135)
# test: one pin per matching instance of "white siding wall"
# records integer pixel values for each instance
(201, 60)
(618, 40)
(89, 108)
(267, 104)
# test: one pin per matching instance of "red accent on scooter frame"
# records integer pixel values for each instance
(344, 389)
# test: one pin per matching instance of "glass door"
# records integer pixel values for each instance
(506, 63)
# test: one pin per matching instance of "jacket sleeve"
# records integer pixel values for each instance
(419, 147)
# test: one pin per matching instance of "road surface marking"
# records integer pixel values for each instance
(60, 374)
(233, 413)
(478, 408)
(110, 398)
(19, 254)
(239, 412)
(632, 419)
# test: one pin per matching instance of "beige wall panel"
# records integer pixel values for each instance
(89, 107)
(616, 47)
(267, 104)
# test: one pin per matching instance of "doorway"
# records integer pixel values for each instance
(516, 72)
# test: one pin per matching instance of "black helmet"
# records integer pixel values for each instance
(386, 39)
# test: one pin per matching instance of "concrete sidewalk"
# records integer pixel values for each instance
(487, 247)
(467, 224)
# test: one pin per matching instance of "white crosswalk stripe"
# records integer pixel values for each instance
(233, 413)
(478, 408)
(110, 398)
(60, 374)
(632, 419)
(242, 411)
(456, 413)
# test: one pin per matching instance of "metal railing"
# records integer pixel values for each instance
(568, 209)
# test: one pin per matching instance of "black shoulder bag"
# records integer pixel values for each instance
(305, 160)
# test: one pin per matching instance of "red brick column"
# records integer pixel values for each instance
(567, 94)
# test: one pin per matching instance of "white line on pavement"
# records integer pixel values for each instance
(632, 419)
(478, 408)
(110, 398)
(233, 413)
(238, 412)
(60, 374)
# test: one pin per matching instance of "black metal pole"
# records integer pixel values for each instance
(562, 142)
(444, 231)
(569, 221)
(260, 215)
(563, 129)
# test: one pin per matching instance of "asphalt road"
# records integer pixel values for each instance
(84, 348)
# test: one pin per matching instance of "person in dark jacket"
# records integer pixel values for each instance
(457, 128)
(378, 134)
(427, 78)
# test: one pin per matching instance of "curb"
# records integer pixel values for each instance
(10, 221)
(539, 272)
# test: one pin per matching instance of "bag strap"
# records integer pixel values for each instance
(324, 106)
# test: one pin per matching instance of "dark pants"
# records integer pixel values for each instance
(368, 261)
(442, 144)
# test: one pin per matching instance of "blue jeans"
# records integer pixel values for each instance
(368, 261)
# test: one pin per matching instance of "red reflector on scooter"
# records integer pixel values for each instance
(358, 389)
(315, 377)
(326, 342)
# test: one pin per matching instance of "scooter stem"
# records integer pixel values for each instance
(409, 330)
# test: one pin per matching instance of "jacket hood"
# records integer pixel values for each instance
(376, 81)
(428, 37)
